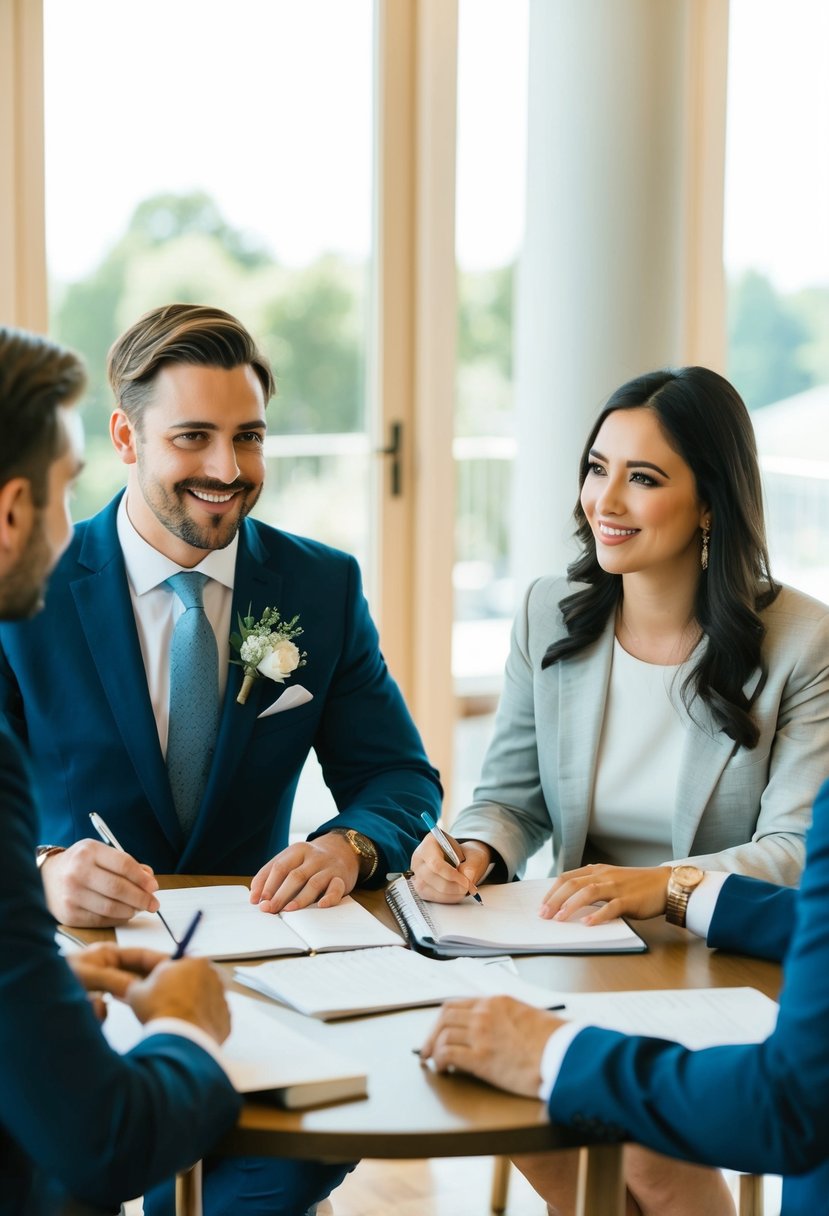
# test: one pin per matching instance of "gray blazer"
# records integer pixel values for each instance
(738, 810)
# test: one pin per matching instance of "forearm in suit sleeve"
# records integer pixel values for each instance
(762, 1108)
(105, 1127)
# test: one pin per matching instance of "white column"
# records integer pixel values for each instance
(621, 270)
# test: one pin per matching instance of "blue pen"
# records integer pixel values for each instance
(188, 936)
(446, 847)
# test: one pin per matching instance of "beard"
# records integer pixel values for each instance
(172, 508)
(23, 588)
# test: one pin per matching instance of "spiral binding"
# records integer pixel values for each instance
(397, 906)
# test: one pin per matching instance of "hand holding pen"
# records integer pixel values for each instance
(451, 851)
(109, 838)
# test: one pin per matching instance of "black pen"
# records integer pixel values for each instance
(108, 838)
(188, 936)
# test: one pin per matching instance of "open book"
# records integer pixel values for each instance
(506, 923)
(329, 986)
(263, 1057)
(233, 927)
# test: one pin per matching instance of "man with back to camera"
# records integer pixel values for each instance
(191, 390)
(758, 1108)
(76, 1119)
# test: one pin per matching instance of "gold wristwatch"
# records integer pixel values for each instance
(683, 880)
(365, 849)
(45, 851)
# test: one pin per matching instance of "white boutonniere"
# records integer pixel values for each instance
(266, 648)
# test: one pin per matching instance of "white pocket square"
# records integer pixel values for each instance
(289, 699)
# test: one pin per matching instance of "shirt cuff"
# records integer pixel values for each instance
(702, 901)
(553, 1055)
(186, 1030)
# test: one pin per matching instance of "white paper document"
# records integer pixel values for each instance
(233, 927)
(262, 1056)
(329, 986)
(695, 1017)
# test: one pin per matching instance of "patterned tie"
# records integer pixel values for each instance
(194, 698)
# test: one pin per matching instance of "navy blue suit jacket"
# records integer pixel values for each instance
(75, 1117)
(761, 1108)
(73, 686)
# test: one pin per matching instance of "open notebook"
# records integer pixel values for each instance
(233, 927)
(263, 1057)
(507, 922)
(328, 986)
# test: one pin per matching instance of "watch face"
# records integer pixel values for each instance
(687, 877)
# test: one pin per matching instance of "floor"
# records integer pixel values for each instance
(452, 1187)
(459, 1186)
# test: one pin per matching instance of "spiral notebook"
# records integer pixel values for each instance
(507, 922)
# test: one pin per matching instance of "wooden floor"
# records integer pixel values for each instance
(449, 1186)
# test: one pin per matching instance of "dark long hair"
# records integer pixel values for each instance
(705, 420)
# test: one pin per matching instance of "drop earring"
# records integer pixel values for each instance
(703, 558)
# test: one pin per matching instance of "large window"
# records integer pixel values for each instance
(777, 257)
(491, 174)
(492, 86)
(194, 157)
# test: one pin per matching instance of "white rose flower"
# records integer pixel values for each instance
(282, 659)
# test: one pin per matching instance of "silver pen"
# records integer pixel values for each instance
(109, 838)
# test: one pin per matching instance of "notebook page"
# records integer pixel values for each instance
(346, 926)
(231, 926)
(509, 918)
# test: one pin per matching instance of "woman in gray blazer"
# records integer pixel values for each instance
(667, 703)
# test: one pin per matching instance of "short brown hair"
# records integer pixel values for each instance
(179, 333)
(37, 377)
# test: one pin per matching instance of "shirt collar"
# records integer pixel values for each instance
(147, 568)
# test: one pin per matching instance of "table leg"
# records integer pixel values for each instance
(188, 1192)
(601, 1189)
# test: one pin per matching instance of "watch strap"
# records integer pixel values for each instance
(44, 851)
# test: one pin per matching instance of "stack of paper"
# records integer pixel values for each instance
(329, 986)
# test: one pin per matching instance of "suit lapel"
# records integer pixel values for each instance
(583, 686)
(105, 610)
(256, 586)
(706, 753)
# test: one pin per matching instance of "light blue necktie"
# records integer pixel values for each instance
(194, 698)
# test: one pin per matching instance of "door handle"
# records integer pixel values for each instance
(395, 452)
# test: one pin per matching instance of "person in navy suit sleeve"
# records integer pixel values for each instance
(759, 1108)
(191, 390)
(79, 1123)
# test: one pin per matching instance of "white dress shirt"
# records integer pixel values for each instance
(157, 608)
(638, 763)
(185, 1030)
(699, 913)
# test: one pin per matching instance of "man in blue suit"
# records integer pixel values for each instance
(76, 1119)
(759, 1108)
(191, 390)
